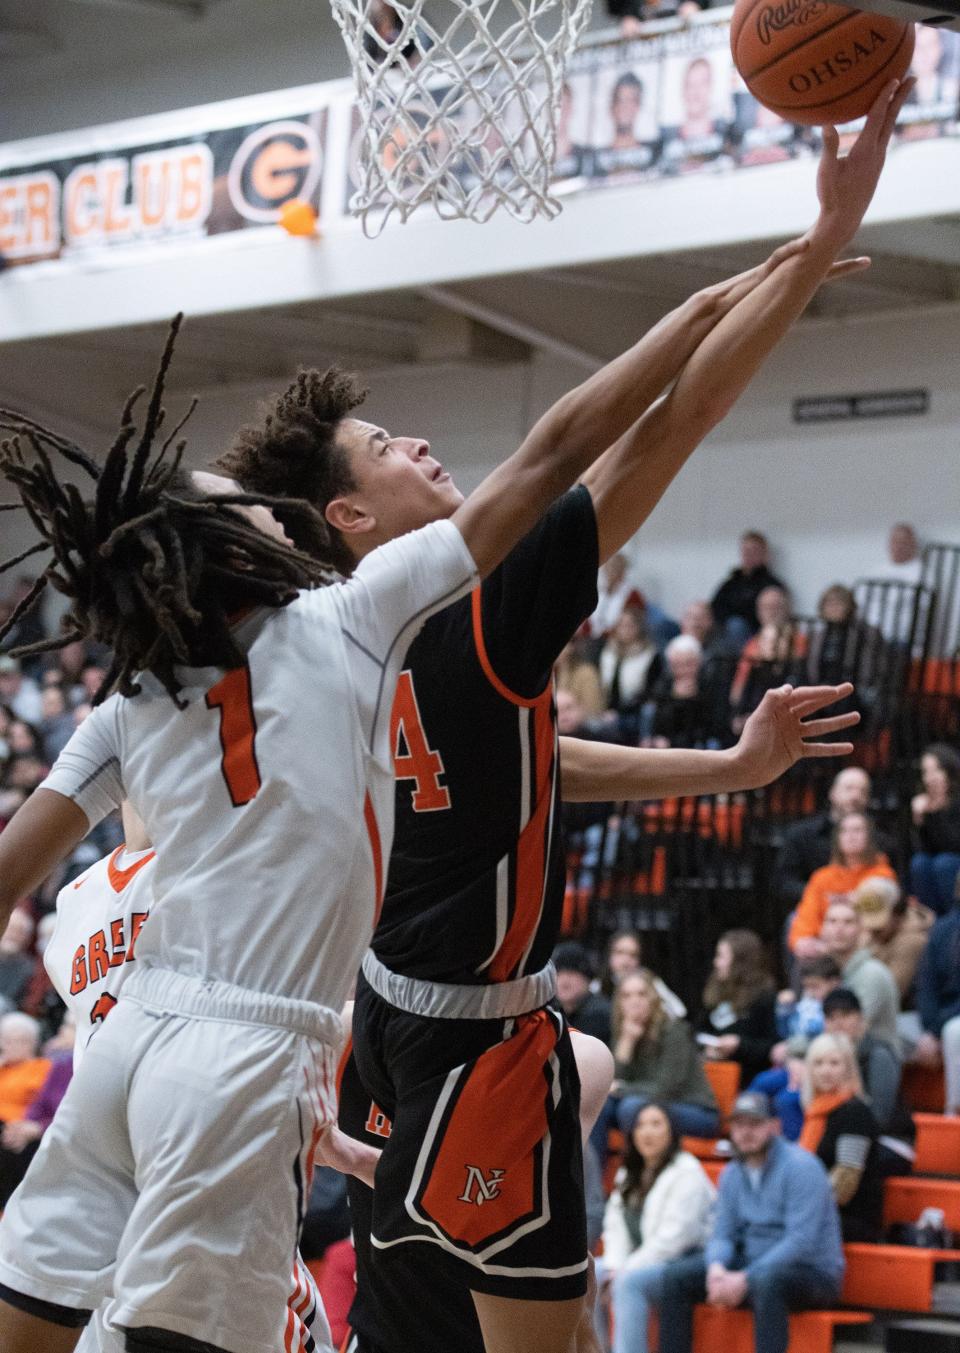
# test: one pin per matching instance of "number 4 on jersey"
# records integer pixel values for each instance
(413, 758)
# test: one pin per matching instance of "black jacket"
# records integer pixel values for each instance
(756, 1028)
(737, 595)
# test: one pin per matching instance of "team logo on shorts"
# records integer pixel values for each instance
(481, 1188)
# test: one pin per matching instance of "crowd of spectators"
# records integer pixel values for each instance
(820, 1021)
(42, 700)
(868, 968)
(638, 675)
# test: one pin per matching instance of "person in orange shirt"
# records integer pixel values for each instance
(855, 857)
(22, 1072)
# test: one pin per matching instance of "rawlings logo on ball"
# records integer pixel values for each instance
(793, 14)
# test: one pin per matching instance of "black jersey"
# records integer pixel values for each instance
(475, 884)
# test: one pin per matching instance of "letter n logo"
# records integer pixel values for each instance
(479, 1188)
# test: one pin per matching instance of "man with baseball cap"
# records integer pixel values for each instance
(775, 1245)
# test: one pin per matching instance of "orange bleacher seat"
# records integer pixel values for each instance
(713, 1169)
(732, 1331)
(891, 1277)
(724, 1078)
(905, 1199)
(923, 1088)
(938, 1144)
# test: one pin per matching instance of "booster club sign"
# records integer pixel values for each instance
(204, 184)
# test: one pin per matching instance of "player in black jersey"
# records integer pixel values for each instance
(454, 1035)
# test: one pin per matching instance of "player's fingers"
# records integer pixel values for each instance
(808, 698)
(893, 111)
(831, 144)
(845, 266)
(819, 728)
(877, 116)
(826, 748)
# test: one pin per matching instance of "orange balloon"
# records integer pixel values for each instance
(298, 217)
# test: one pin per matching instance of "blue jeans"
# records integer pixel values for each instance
(774, 1292)
(633, 1293)
(692, 1120)
(933, 879)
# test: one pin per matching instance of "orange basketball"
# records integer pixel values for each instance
(815, 63)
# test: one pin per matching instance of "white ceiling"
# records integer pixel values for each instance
(587, 312)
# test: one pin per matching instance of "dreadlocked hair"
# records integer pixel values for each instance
(151, 566)
(293, 451)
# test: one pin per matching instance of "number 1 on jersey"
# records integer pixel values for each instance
(419, 762)
(238, 730)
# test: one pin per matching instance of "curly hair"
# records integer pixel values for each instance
(293, 451)
(150, 566)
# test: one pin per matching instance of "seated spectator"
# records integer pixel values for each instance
(738, 1023)
(23, 739)
(656, 1058)
(840, 1128)
(659, 1209)
(22, 1072)
(938, 1003)
(861, 972)
(808, 844)
(576, 674)
(624, 957)
(804, 1017)
(782, 1085)
(775, 1244)
(684, 712)
(855, 857)
(891, 608)
(720, 655)
(894, 928)
(20, 1138)
(40, 998)
(16, 962)
(903, 563)
(615, 594)
(584, 1008)
(842, 647)
(18, 692)
(629, 667)
(935, 867)
(880, 1071)
(734, 604)
(769, 658)
(56, 726)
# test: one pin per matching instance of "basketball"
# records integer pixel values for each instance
(815, 63)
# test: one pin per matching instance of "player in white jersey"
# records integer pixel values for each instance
(99, 918)
(251, 733)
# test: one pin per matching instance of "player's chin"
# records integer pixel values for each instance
(448, 495)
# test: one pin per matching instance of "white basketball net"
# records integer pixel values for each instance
(457, 115)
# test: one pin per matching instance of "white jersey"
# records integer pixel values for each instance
(92, 949)
(90, 954)
(270, 797)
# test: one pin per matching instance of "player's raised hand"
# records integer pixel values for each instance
(781, 732)
(846, 184)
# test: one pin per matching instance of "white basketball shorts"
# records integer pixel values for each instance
(173, 1180)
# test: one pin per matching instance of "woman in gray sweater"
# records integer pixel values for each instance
(656, 1058)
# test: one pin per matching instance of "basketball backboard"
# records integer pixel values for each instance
(937, 13)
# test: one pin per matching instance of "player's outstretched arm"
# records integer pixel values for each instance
(785, 727)
(586, 421)
(41, 833)
(628, 481)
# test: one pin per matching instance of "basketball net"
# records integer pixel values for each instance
(457, 115)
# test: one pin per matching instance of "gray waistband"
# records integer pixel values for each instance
(166, 990)
(444, 1000)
